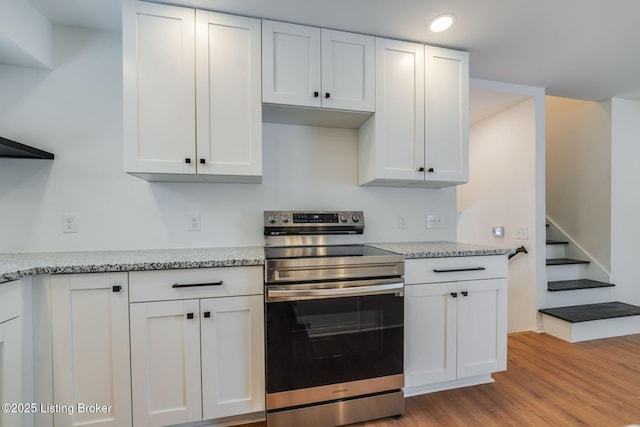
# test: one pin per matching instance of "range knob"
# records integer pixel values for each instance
(272, 219)
(355, 218)
(285, 218)
(344, 218)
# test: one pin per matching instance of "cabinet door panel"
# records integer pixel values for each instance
(232, 356)
(482, 327)
(446, 114)
(228, 76)
(290, 64)
(159, 81)
(430, 337)
(90, 336)
(11, 371)
(399, 115)
(348, 69)
(165, 362)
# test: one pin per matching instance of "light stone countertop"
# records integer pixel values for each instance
(415, 250)
(14, 266)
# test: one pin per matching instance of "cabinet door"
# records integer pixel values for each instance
(430, 333)
(11, 371)
(482, 327)
(399, 118)
(290, 64)
(232, 356)
(229, 105)
(90, 336)
(159, 88)
(348, 70)
(165, 362)
(446, 115)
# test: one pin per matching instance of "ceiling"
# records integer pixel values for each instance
(574, 48)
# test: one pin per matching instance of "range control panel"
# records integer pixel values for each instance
(305, 221)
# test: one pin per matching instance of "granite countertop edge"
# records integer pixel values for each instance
(17, 266)
(418, 250)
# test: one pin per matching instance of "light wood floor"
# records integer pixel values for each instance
(548, 382)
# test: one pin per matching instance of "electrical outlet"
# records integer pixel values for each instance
(402, 222)
(69, 223)
(194, 222)
(435, 221)
(522, 233)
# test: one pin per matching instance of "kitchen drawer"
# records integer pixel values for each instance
(163, 285)
(433, 270)
(10, 300)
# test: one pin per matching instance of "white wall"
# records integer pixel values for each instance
(75, 112)
(625, 203)
(505, 179)
(579, 173)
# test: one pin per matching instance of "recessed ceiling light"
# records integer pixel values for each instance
(442, 22)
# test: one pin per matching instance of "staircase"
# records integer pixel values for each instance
(578, 307)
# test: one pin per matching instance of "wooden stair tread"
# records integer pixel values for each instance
(570, 285)
(565, 261)
(556, 242)
(589, 312)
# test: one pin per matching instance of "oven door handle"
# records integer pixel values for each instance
(274, 295)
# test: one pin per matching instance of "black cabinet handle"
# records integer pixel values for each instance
(465, 293)
(116, 288)
(207, 314)
(420, 169)
(455, 270)
(316, 94)
(203, 161)
(327, 95)
(454, 294)
(187, 160)
(189, 315)
(430, 170)
(195, 285)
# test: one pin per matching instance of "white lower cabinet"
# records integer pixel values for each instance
(90, 350)
(16, 354)
(197, 358)
(455, 331)
(10, 371)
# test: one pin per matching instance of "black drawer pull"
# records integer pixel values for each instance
(207, 314)
(116, 288)
(454, 294)
(189, 315)
(195, 285)
(455, 270)
(465, 293)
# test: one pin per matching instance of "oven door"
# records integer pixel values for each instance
(327, 341)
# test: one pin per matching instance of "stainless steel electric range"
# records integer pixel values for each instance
(334, 321)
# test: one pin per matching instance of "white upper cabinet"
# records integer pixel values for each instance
(392, 141)
(446, 116)
(159, 82)
(192, 94)
(229, 107)
(419, 134)
(312, 67)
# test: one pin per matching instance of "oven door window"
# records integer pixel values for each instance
(326, 341)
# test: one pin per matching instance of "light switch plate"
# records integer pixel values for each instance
(435, 221)
(522, 233)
